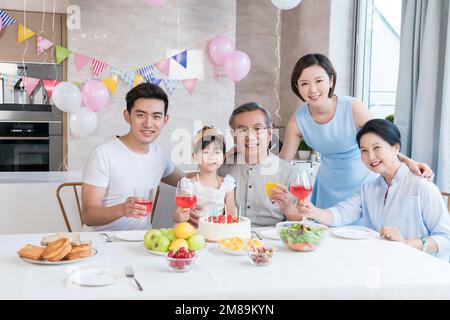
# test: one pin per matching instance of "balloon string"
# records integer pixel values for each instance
(26, 41)
(278, 66)
(42, 32)
(178, 17)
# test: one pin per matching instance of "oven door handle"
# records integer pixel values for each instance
(24, 138)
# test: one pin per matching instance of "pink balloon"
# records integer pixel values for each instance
(237, 66)
(156, 3)
(220, 48)
(95, 95)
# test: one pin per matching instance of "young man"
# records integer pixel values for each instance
(253, 165)
(115, 168)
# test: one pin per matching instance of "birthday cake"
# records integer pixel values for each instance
(215, 228)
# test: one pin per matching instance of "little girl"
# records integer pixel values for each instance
(215, 194)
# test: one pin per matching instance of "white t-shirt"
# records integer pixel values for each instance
(118, 169)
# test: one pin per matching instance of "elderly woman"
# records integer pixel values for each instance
(400, 205)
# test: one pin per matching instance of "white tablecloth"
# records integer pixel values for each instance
(338, 269)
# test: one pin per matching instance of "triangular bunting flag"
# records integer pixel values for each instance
(189, 84)
(10, 80)
(181, 58)
(97, 67)
(24, 33)
(30, 84)
(164, 66)
(156, 81)
(115, 73)
(111, 84)
(147, 72)
(43, 44)
(78, 84)
(49, 85)
(80, 60)
(170, 86)
(137, 79)
(62, 53)
(7, 20)
(127, 77)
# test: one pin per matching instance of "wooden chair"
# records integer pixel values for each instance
(447, 194)
(74, 185)
(155, 201)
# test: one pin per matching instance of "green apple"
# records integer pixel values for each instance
(196, 242)
(149, 237)
(168, 233)
(161, 243)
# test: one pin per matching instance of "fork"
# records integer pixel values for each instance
(130, 274)
(108, 237)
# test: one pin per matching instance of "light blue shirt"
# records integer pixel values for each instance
(413, 205)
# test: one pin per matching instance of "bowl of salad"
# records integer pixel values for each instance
(301, 235)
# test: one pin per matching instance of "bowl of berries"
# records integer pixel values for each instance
(181, 260)
(260, 256)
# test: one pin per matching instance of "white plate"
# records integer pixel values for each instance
(233, 252)
(132, 236)
(155, 252)
(353, 232)
(270, 234)
(94, 253)
(94, 277)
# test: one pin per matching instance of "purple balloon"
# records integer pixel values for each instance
(220, 48)
(156, 3)
(237, 66)
(95, 95)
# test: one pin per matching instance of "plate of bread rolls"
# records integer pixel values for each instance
(57, 250)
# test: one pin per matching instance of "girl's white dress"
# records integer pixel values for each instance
(212, 200)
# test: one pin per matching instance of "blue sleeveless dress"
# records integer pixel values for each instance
(341, 172)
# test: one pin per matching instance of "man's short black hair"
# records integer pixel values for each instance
(146, 91)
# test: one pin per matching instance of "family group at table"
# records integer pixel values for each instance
(362, 179)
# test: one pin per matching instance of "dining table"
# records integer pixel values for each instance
(339, 268)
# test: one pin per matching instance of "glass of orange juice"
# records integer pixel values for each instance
(270, 182)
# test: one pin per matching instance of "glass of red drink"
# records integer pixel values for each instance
(145, 197)
(300, 185)
(185, 195)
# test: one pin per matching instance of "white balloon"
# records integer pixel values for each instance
(286, 4)
(67, 97)
(83, 123)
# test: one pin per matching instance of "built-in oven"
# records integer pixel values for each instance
(30, 146)
(30, 126)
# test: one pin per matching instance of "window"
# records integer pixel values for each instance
(377, 52)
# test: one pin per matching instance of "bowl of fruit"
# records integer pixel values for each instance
(260, 256)
(301, 235)
(181, 260)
